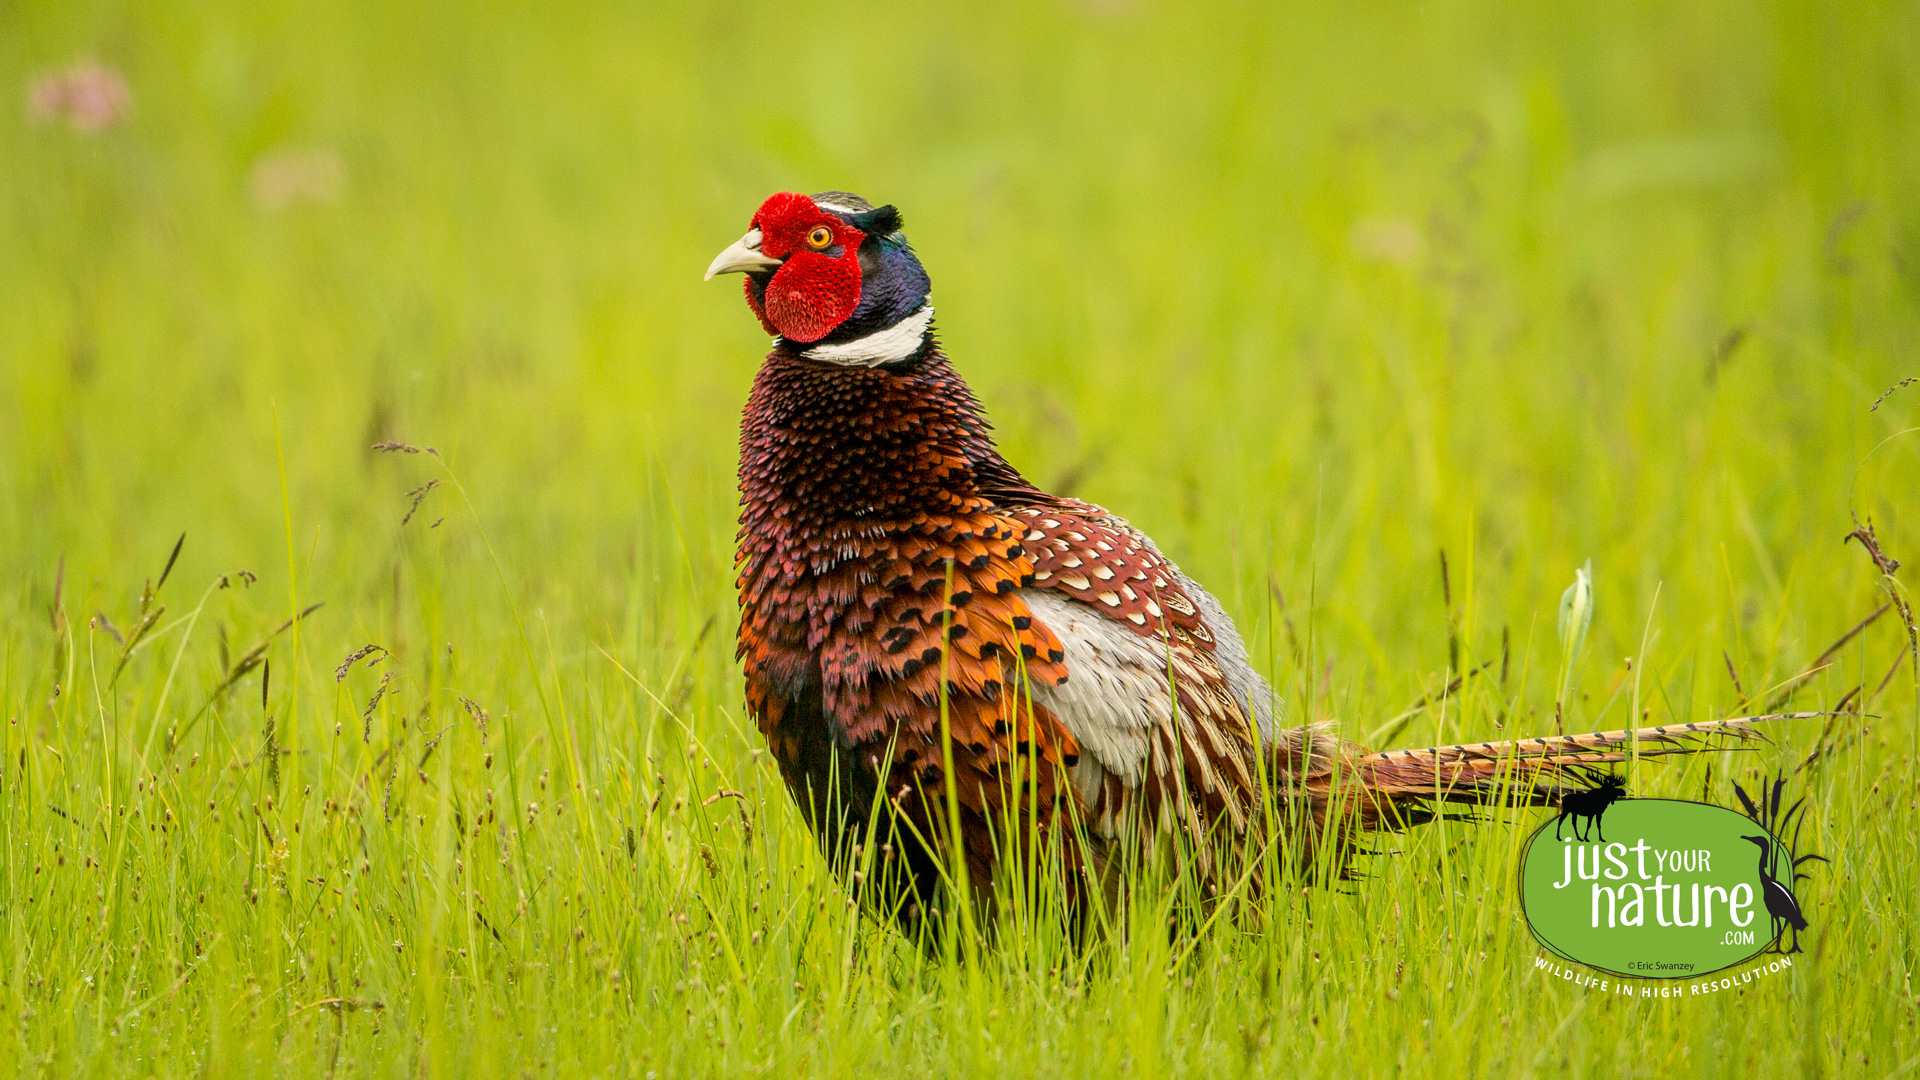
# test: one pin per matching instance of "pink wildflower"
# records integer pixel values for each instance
(89, 95)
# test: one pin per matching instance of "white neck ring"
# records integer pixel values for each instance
(895, 343)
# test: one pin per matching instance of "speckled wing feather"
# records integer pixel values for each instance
(1169, 741)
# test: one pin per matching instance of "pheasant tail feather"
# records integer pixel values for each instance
(1668, 739)
(1393, 789)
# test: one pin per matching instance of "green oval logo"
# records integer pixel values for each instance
(1652, 888)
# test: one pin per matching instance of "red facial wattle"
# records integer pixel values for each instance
(811, 295)
(814, 290)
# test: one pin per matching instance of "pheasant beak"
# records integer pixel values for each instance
(743, 257)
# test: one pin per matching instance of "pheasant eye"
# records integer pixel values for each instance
(820, 237)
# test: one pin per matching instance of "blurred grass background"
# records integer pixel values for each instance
(1312, 296)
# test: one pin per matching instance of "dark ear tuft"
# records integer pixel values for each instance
(882, 221)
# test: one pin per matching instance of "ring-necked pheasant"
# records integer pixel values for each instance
(900, 582)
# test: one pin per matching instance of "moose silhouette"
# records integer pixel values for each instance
(1588, 804)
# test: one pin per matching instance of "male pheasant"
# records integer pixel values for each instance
(930, 639)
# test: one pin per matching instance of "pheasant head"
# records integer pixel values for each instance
(833, 276)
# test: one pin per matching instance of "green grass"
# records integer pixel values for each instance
(1311, 297)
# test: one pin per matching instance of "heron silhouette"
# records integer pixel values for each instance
(1781, 905)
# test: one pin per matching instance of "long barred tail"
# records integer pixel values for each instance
(1598, 746)
(1394, 788)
